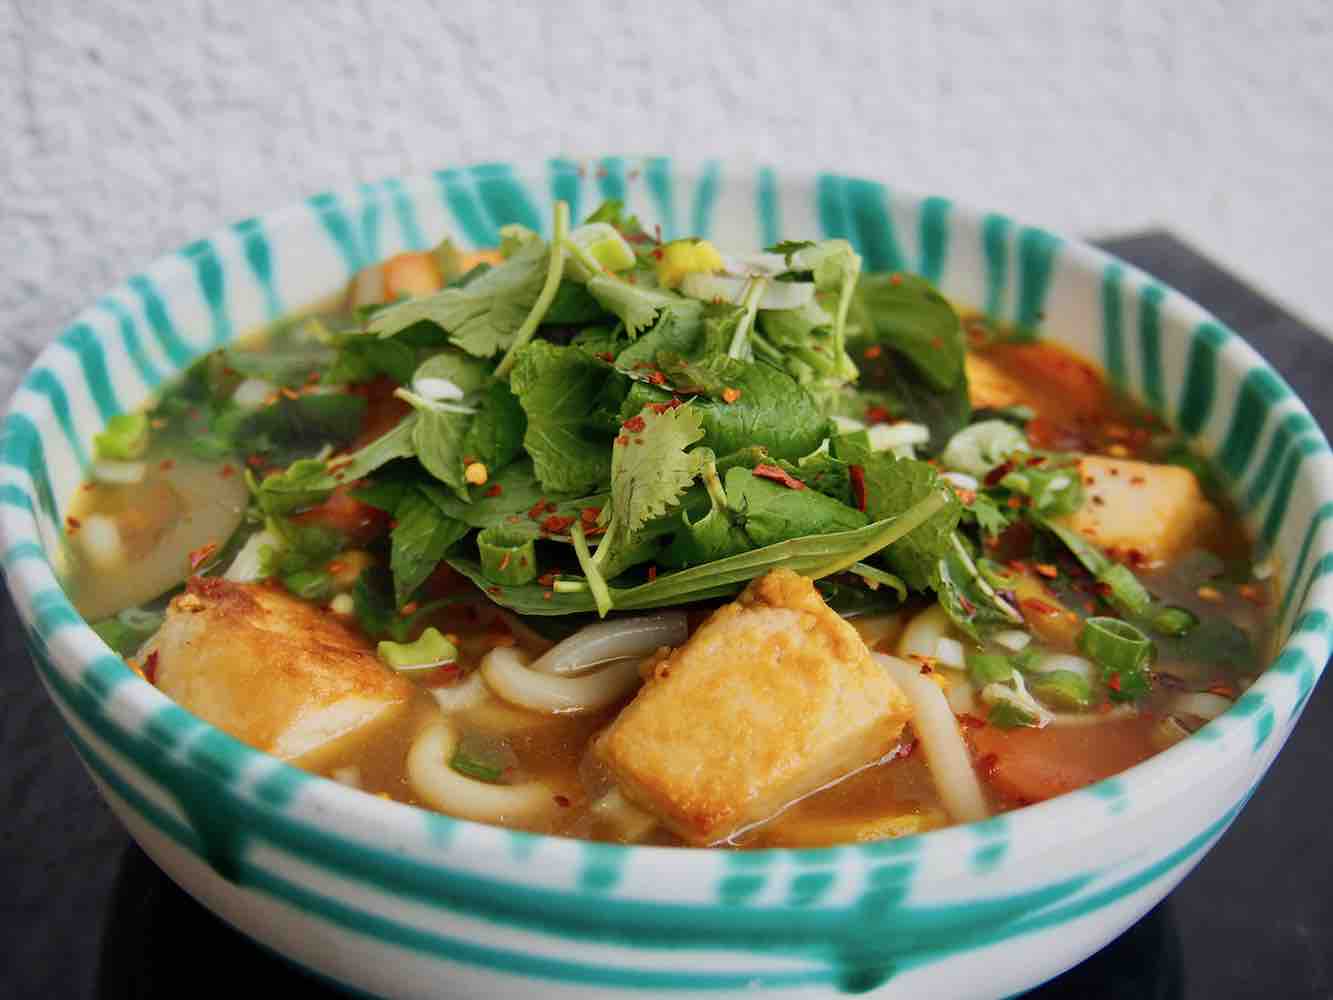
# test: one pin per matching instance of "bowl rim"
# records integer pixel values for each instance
(946, 852)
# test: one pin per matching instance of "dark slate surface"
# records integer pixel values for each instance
(83, 913)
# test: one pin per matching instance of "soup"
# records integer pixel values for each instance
(636, 541)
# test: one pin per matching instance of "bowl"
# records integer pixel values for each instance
(389, 899)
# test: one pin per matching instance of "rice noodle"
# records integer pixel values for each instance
(630, 822)
(467, 693)
(443, 788)
(1052, 662)
(937, 729)
(924, 632)
(875, 629)
(507, 673)
(1200, 704)
(99, 536)
(962, 696)
(1074, 719)
(612, 640)
(119, 473)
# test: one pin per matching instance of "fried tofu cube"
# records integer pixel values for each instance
(273, 671)
(1056, 383)
(991, 387)
(772, 698)
(1141, 512)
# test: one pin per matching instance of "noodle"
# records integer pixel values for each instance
(946, 753)
(613, 640)
(507, 673)
(443, 788)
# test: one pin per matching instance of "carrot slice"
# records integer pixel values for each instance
(1032, 765)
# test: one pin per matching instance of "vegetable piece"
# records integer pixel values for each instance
(637, 306)
(905, 313)
(607, 248)
(1030, 765)
(558, 389)
(1119, 586)
(554, 268)
(768, 512)
(507, 557)
(980, 447)
(437, 439)
(125, 437)
(679, 258)
(989, 668)
(1123, 652)
(430, 650)
(1174, 621)
(814, 556)
(1012, 705)
(474, 767)
(892, 485)
(1062, 689)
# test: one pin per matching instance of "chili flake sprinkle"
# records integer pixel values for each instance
(555, 524)
(766, 471)
(150, 668)
(1208, 593)
(877, 415)
(201, 555)
(633, 424)
(495, 490)
(730, 395)
(874, 351)
(1047, 570)
(857, 476)
(73, 524)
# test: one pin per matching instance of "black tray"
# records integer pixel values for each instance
(84, 913)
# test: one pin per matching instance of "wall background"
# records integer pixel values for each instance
(130, 128)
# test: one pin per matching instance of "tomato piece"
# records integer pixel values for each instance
(1032, 765)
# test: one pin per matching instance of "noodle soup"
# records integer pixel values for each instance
(641, 542)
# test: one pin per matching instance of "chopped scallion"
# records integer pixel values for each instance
(430, 650)
(1122, 651)
(125, 437)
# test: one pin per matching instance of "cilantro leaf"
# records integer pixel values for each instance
(483, 316)
(650, 469)
(559, 388)
(989, 516)
(638, 305)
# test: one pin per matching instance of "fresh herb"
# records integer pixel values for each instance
(125, 437)
(1123, 652)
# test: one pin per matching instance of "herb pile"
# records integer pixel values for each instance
(603, 422)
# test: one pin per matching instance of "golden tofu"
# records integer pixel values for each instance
(277, 673)
(773, 697)
(1140, 512)
(991, 387)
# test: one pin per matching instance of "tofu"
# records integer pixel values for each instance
(772, 698)
(1057, 384)
(275, 672)
(990, 387)
(1140, 512)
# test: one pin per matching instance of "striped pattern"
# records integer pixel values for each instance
(483, 902)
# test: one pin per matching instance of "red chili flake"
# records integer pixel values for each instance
(1114, 471)
(765, 471)
(547, 595)
(1037, 606)
(1253, 594)
(157, 423)
(969, 721)
(504, 563)
(895, 280)
(857, 475)
(1224, 690)
(1136, 480)
(633, 424)
(905, 750)
(999, 472)
(291, 393)
(968, 497)
(150, 668)
(254, 461)
(201, 555)
(652, 573)
(589, 515)
(623, 441)
(1015, 502)
(877, 415)
(1037, 460)
(167, 464)
(336, 567)
(730, 395)
(660, 408)
(410, 608)
(495, 490)
(537, 509)
(555, 524)
(562, 801)
(1047, 570)
(606, 356)
(547, 579)
(874, 351)
(1114, 682)
(658, 253)
(73, 524)
(926, 668)
(1097, 499)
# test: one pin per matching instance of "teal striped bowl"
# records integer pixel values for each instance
(393, 900)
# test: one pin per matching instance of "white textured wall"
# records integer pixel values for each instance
(129, 128)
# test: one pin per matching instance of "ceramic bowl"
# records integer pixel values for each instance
(393, 900)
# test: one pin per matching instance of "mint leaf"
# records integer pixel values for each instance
(893, 485)
(420, 537)
(437, 439)
(558, 388)
(905, 313)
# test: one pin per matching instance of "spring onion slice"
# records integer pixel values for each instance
(1123, 653)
